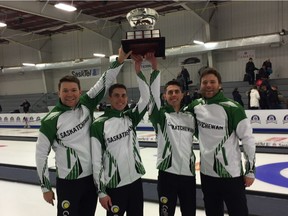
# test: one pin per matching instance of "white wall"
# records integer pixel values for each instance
(28, 83)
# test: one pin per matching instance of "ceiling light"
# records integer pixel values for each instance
(198, 42)
(66, 7)
(28, 64)
(210, 45)
(99, 55)
(3, 24)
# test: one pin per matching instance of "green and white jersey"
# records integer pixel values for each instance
(115, 149)
(221, 123)
(67, 132)
(174, 132)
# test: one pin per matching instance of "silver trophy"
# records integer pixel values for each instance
(144, 38)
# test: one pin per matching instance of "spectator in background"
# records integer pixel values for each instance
(237, 96)
(263, 78)
(268, 66)
(273, 100)
(132, 104)
(186, 99)
(0, 108)
(263, 97)
(254, 98)
(263, 74)
(250, 68)
(162, 99)
(196, 94)
(26, 105)
(102, 106)
(184, 78)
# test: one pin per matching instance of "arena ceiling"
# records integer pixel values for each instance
(30, 19)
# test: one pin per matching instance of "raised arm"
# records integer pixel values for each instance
(140, 109)
(155, 101)
(138, 59)
(98, 91)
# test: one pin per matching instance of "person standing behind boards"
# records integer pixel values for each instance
(250, 68)
(26, 105)
(254, 98)
(237, 97)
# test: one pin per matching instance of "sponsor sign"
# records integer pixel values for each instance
(86, 73)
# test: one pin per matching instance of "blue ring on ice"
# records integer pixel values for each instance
(270, 173)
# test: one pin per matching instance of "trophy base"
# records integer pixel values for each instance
(144, 45)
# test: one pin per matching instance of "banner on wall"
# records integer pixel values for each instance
(260, 120)
(246, 54)
(86, 73)
(271, 122)
(268, 120)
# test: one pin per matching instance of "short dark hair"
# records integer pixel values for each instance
(211, 71)
(114, 86)
(173, 82)
(69, 78)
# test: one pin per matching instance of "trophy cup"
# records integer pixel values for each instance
(144, 38)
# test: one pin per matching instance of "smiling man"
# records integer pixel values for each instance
(221, 123)
(66, 130)
(175, 157)
(117, 164)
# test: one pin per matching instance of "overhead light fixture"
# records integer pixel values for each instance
(99, 55)
(2, 24)
(28, 64)
(198, 42)
(211, 45)
(65, 7)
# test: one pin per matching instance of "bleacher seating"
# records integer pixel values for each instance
(244, 87)
(11, 103)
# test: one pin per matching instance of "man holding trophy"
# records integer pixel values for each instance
(116, 159)
(117, 164)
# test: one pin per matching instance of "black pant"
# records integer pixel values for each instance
(251, 77)
(128, 198)
(76, 197)
(219, 190)
(171, 186)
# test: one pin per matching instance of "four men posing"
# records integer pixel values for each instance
(112, 154)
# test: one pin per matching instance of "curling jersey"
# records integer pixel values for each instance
(174, 132)
(115, 148)
(67, 131)
(221, 123)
